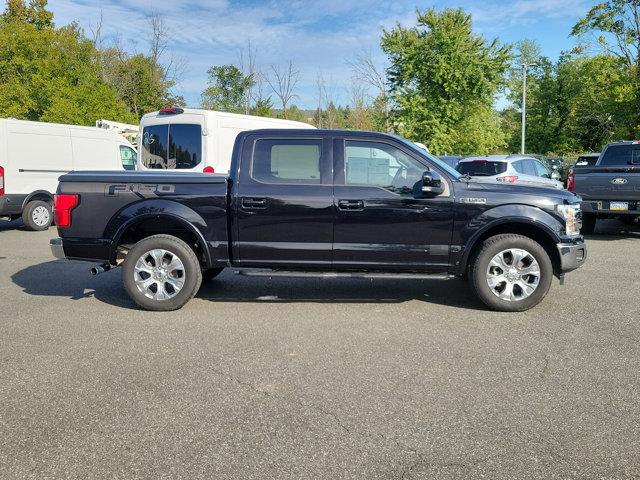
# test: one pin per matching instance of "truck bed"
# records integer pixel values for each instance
(122, 197)
(608, 183)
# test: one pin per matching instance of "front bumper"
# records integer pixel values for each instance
(572, 255)
(56, 248)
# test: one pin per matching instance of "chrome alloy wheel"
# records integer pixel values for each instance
(513, 274)
(159, 274)
(40, 216)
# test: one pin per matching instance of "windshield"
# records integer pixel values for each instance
(482, 168)
(423, 153)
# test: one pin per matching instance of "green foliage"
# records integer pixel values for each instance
(577, 104)
(262, 108)
(227, 89)
(140, 82)
(50, 74)
(443, 76)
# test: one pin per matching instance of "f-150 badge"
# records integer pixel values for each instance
(114, 190)
(476, 200)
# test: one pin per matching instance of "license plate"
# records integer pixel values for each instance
(619, 206)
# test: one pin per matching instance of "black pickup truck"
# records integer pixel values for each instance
(611, 187)
(319, 203)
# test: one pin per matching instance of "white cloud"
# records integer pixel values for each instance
(317, 36)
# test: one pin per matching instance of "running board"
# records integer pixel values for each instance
(324, 274)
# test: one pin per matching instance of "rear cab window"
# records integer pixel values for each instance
(621, 155)
(482, 168)
(171, 146)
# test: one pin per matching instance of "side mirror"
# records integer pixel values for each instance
(556, 175)
(431, 184)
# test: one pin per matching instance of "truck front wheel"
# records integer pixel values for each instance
(161, 273)
(511, 273)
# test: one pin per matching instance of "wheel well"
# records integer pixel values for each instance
(44, 196)
(155, 226)
(526, 230)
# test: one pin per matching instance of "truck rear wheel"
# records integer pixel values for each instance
(161, 273)
(37, 215)
(511, 273)
(588, 223)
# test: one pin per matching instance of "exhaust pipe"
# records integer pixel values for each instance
(98, 269)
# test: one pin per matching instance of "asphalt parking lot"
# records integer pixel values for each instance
(310, 378)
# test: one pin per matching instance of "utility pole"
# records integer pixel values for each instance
(524, 103)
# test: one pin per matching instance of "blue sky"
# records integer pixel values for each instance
(316, 36)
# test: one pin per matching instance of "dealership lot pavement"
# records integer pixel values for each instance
(317, 379)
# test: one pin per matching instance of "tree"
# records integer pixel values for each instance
(367, 71)
(227, 89)
(616, 26)
(442, 76)
(51, 74)
(283, 83)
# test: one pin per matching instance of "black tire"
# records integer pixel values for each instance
(588, 223)
(37, 215)
(192, 272)
(479, 266)
(211, 273)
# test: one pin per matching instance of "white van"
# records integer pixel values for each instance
(196, 140)
(34, 154)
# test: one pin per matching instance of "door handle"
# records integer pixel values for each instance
(254, 203)
(351, 205)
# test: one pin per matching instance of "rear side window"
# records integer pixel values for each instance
(287, 161)
(175, 146)
(482, 168)
(620, 155)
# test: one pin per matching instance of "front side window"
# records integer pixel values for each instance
(128, 157)
(287, 161)
(175, 146)
(381, 165)
(541, 170)
(529, 168)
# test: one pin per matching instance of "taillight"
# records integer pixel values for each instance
(571, 181)
(1, 181)
(63, 203)
(208, 169)
(507, 178)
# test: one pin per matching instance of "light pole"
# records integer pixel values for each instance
(524, 102)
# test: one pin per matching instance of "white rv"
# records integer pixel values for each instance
(196, 140)
(34, 154)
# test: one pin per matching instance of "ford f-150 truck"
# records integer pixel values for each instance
(319, 203)
(611, 187)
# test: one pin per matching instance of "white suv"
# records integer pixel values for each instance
(516, 169)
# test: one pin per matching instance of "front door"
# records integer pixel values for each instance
(284, 203)
(382, 219)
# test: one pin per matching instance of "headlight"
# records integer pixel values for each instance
(572, 218)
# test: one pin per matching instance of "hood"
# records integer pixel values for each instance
(539, 196)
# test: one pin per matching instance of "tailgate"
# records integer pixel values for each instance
(604, 183)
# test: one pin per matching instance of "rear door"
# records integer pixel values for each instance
(382, 221)
(284, 202)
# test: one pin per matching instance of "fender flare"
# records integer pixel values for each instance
(30, 197)
(133, 214)
(510, 214)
